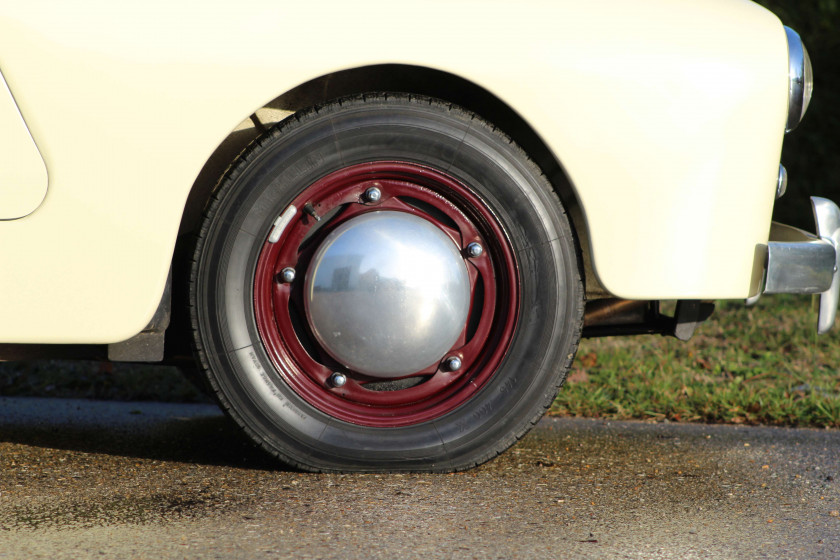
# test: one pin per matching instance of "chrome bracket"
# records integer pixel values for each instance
(802, 263)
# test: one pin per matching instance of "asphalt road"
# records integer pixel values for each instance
(85, 479)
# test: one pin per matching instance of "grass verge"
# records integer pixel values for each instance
(760, 365)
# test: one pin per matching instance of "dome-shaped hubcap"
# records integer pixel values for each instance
(387, 294)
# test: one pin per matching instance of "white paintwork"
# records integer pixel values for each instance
(667, 115)
(23, 175)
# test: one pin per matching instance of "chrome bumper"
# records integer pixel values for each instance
(798, 262)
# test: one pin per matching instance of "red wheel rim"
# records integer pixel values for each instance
(424, 395)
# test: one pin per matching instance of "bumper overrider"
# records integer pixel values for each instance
(797, 262)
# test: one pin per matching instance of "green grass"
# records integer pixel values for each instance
(762, 365)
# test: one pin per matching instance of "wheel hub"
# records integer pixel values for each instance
(387, 294)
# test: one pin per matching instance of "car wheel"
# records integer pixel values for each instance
(385, 283)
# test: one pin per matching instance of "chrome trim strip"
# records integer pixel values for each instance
(803, 267)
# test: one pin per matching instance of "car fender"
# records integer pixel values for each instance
(667, 116)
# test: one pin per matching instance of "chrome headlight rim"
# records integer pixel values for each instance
(800, 79)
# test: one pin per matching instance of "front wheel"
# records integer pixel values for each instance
(385, 283)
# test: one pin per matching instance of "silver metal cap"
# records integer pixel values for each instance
(387, 294)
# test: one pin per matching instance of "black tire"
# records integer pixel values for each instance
(420, 131)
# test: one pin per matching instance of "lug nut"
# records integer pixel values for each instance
(475, 250)
(373, 194)
(338, 379)
(287, 275)
(453, 363)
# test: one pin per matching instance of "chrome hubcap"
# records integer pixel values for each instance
(387, 294)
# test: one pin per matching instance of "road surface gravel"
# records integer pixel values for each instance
(88, 479)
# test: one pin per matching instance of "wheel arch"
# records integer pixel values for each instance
(400, 78)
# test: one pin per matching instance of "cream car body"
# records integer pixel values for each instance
(667, 117)
(384, 228)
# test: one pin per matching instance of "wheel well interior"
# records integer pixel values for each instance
(384, 78)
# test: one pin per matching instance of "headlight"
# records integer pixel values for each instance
(800, 79)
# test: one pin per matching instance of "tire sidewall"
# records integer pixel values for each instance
(292, 157)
